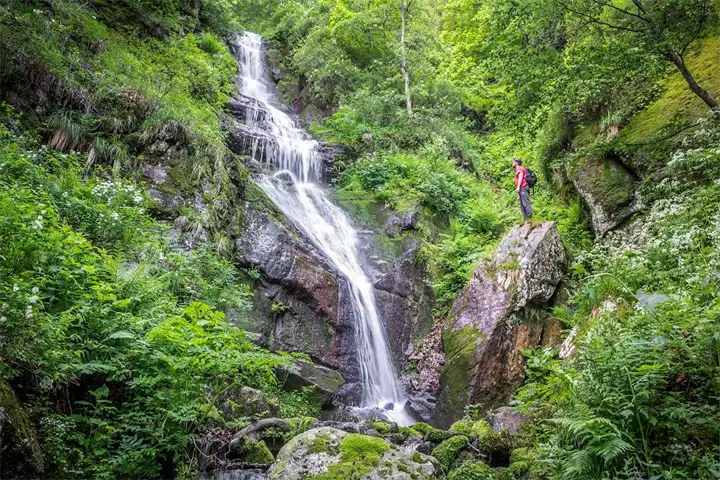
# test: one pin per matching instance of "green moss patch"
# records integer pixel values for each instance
(251, 451)
(447, 452)
(678, 101)
(358, 455)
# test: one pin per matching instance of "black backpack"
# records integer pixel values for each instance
(530, 177)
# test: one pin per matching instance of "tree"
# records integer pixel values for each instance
(404, 8)
(667, 28)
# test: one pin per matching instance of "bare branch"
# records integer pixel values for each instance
(622, 10)
(597, 20)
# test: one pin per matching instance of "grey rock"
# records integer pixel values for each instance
(506, 419)
(244, 402)
(348, 395)
(349, 427)
(302, 373)
(313, 452)
(421, 406)
(650, 301)
(498, 314)
(233, 475)
(295, 277)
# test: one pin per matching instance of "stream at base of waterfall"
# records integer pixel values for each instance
(294, 184)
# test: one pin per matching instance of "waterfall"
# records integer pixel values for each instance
(294, 184)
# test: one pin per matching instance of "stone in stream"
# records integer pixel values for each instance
(336, 454)
(497, 315)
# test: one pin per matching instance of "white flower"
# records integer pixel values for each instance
(15, 288)
(35, 290)
(3, 319)
(33, 300)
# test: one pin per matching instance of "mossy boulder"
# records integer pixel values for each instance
(471, 471)
(498, 314)
(331, 454)
(254, 451)
(608, 188)
(20, 450)
(448, 451)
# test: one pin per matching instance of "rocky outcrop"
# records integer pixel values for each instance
(20, 453)
(608, 188)
(237, 402)
(334, 453)
(297, 287)
(498, 314)
(302, 373)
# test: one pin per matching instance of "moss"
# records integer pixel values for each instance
(252, 451)
(610, 183)
(479, 429)
(459, 347)
(471, 471)
(359, 454)
(383, 428)
(436, 435)
(411, 431)
(678, 101)
(22, 432)
(521, 460)
(447, 452)
(421, 427)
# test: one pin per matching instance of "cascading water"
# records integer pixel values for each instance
(295, 187)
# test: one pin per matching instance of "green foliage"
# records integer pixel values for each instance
(121, 341)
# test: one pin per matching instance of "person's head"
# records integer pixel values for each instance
(517, 162)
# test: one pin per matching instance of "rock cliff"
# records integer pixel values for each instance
(498, 314)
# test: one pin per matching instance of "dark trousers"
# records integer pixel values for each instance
(525, 207)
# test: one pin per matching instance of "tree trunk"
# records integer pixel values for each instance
(403, 56)
(679, 62)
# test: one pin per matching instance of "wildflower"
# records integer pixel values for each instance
(33, 300)
(16, 288)
(35, 290)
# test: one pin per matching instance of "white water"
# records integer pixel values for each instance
(296, 188)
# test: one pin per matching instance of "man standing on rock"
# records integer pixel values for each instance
(523, 189)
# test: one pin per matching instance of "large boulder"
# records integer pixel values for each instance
(608, 188)
(331, 453)
(20, 452)
(302, 373)
(498, 314)
(240, 401)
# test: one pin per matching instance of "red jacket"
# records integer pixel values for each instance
(521, 174)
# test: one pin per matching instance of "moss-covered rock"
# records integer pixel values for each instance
(436, 435)
(254, 451)
(471, 471)
(608, 188)
(331, 454)
(21, 453)
(447, 452)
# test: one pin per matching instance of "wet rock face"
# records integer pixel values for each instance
(20, 452)
(334, 453)
(498, 314)
(404, 303)
(298, 287)
(609, 189)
